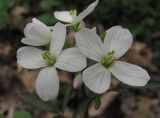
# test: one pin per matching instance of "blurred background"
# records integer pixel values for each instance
(17, 98)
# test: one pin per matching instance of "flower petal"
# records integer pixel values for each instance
(47, 83)
(30, 57)
(90, 44)
(97, 78)
(33, 42)
(58, 39)
(71, 60)
(130, 74)
(86, 12)
(119, 40)
(63, 16)
(36, 34)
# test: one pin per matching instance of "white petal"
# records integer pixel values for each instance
(34, 20)
(119, 40)
(130, 74)
(58, 39)
(90, 44)
(86, 12)
(71, 60)
(33, 42)
(63, 16)
(47, 83)
(37, 34)
(30, 57)
(97, 78)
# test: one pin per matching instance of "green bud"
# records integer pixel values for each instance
(108, 60)
(50, 59)
(94, 29)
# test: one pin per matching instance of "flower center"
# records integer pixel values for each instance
(49, 58)
(108, 59)
(73, 13)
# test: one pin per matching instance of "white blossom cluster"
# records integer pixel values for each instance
(88, 45)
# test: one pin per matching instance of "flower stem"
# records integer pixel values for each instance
(66, 98)
(86, 115)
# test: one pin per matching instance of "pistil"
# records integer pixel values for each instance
(49, 58)
(108, 59)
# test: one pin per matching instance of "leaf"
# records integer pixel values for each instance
(35, 101)
(4, 5)
(2, 116)
(56, 105)
(48, 4)
(3, 19)
(151, 85)
(22, 114)
(47, 18)
(97, 101)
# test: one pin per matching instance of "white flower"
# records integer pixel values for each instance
(71, 16)
(36, 34)
(116, 43)
(71, 59)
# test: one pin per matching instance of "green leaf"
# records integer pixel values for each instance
(56, 105)
(97, 101)
(2, 19)
(22, 114)
(35, 101)
(47, 18)
(48, 4)
(2, 116)
(155, 85)
(4, 5)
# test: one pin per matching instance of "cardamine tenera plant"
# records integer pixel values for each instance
(91, 60)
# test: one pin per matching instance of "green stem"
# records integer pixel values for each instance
(75, 113)
(86, 115)
(66, 98)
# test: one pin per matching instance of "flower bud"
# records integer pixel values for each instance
(77, 81)
(94, 29)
